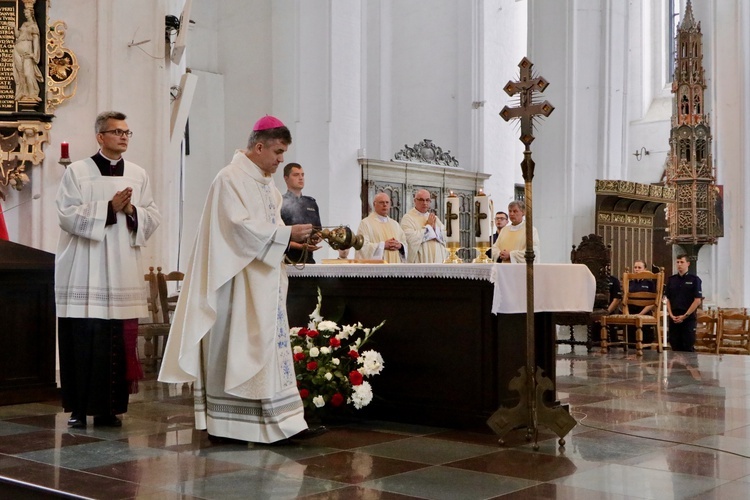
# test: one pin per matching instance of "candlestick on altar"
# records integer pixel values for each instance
(482, 228)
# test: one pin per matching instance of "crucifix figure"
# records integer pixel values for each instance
(450, 216)
(478, 217)
(531, 383)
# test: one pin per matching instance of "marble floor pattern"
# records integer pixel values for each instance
(662, 427)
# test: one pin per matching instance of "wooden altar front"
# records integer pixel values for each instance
(454, 335)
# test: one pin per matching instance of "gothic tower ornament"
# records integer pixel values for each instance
(695, 217)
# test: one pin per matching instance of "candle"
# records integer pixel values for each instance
(453, 227)
(64, 151)
(482, 216)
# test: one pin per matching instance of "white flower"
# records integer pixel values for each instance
(295, 330)
(325, 350)
(319, 402)
(371, 361)
(297, 349)
(328, 375)
(328, 326)
(314, 352)
(336, 361)
(346, 332)
(361, 395)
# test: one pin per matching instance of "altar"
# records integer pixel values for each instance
(454, 334)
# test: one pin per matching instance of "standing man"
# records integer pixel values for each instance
(384, 238)
(230, 333)
(106, 213)
(425, 234)
(501, 220)
(297, 208)
(510, 245)
(684, 295)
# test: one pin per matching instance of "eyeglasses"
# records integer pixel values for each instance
(118, 132)
(426, 200)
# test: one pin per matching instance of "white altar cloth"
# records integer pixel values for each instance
(557, 287)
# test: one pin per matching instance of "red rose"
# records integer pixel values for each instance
(355, 377)
(353, 354)
(312, 333)
(334, 342)
(299, 356)
(312, 366)
(302, 332)
(337, 399)
(304, 393)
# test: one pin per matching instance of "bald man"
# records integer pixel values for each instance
(425, 234)
(384, 238)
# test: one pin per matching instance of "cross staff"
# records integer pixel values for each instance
(478, 217)
(531, 383)
(450, 215)
(527, 110)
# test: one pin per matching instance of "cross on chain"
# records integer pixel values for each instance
(450, 215)
(478, 217)
(525, 87)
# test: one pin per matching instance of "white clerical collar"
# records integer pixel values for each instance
(110, 160)
(381, 218)
(423, 214)
(517, 227)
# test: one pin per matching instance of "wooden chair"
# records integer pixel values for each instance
(160, 307)
(706, 339)
(641, 299)
(733, 332)
(596, 256)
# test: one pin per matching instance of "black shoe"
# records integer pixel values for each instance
(311, 432)
(107, 421)
(77, 421)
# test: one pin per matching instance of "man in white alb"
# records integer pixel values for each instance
(425, 234)
(384, 238)
(510, 245)
(230, 334)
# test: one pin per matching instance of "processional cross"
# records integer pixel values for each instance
(530, 384)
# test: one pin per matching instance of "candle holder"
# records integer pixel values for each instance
(453, 248)
(65, 162)
(481, 248)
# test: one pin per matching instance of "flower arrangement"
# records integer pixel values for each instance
(330, 364)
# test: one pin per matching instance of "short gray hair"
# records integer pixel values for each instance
(101, 120)
(518, 204)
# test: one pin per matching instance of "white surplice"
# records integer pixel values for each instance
(426, 245)
(230, 333)
(98, 270)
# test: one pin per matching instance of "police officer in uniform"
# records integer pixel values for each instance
(684, 295)
(299, 209)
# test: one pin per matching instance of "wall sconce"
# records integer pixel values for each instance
(639, 153)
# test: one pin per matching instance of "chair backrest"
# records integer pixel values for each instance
(154, 307)
(641, 298)
(734, 328)
(706, 326)
(165, 305)
(593, 253)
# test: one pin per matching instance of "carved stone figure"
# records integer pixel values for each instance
(26, 55)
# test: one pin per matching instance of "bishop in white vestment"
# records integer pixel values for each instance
(230, 333)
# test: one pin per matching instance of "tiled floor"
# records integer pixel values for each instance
(665, 427)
